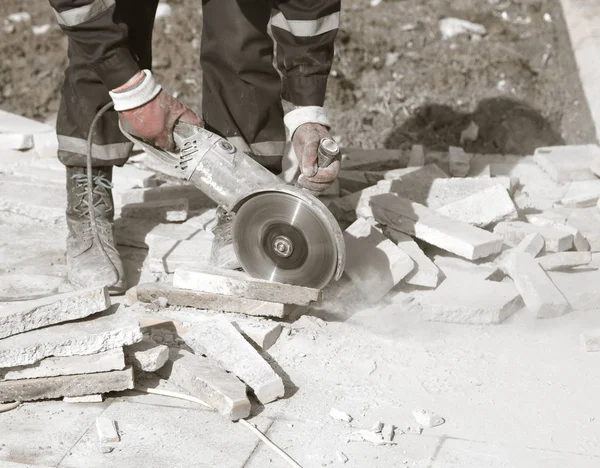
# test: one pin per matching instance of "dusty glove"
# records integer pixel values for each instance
(148, 112)
(306, 142)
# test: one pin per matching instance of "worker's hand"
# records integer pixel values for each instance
(306, 142)
(148, 112)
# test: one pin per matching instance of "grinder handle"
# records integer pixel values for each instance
(327, 151)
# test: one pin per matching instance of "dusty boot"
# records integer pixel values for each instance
(86, 263)
(223, 253)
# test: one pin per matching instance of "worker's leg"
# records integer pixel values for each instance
(241, 88)
(83, 94)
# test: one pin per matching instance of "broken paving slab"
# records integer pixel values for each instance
(30, 315)
(426, 273)
(374, 263)
(471, 301)
(110, 329)
(66, 386)
(149, 292)
(482, 209)
(555, 240)
(196, 198)
(113, 359)
(569, 162)
(16, 141)
(540, 294)
(582, 194)
(205, 379)
(562, 260)
(221, 341)
(264, 334)
(162, 211)
(587, 221)
(235, 283)
(423, 223)
(444, 191)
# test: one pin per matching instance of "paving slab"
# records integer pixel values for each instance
(14, 123)
(23, 196)
(587, 221)
(167, 255)
(110, 329)
(568, 162)
(555, 240)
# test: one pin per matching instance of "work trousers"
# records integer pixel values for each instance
(241, 97)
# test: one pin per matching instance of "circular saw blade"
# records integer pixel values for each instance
(279, 237)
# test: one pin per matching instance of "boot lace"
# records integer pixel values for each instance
(101, 203)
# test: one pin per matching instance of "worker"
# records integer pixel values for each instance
(244, 94)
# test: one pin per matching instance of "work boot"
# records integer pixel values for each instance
(91, 260)
(222, 253)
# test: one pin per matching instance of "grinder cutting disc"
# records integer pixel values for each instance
(279, 237)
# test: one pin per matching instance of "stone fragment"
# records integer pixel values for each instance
(387, 432)
(29, 315)
(459, 161)
(444, 191)
(425, 224)
(559, 221)
(590, 341)
(566, 163)
(167, 255)
(425, 273)
(374, 263)
(107, 430)
(417, 156)
(108, 330)
(483, 208)
(148, 292)
(220, 340)
(427, 418)
(582, 194)
(470, 300)
(377, 427)
(235, 283)
(587, 221)
(147, 355)
(107, 361)
(16, 141)
(532, 244)
(374, 438)
(169, 211)
(341, 457)
(196, 198)
(539, 293)
(458, 268)
(66, 386)
(339, 415)
(263, 335)
(563, 260)
(98, 398)
(204, 379)
(555, 240)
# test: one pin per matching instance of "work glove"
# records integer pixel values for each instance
(306, 126)
(148, 112)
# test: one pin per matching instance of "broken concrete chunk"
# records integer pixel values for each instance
(532, 244)
(373, 437)
(444, 191)
(340, 415)
(587, 221)
(203, 378)
(539, 293)
(16, 141)
(142, 233)
(473, 301)
(374, 263)
(107, 430)
(555, 240)
(148, 292)
(66, 386)
(481, 209)
(108, 330)
(263, 335)
(566, 163)
(147, 355)
(590, 341)
(169, 211)
(427, 418)
(30, 315)
(98, 398)
(446, 233)
(582, 194)
(417, 156)
(562, 260)
(459, 161)
(425, 273)
(235, 283)
(377, 427)
(221, 341)
(113, 359)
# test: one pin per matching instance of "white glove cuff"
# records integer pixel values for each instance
(137, 96)
(304, 114)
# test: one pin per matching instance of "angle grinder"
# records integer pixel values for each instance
(281, 233)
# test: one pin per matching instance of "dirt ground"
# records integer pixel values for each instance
(395, 80)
